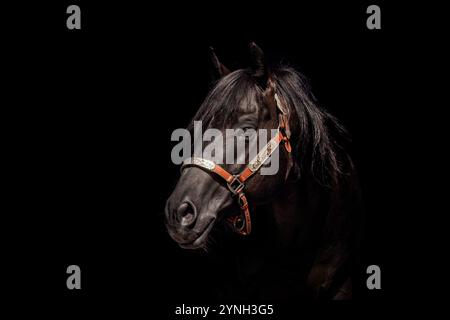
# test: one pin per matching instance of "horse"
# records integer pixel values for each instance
(291, 235)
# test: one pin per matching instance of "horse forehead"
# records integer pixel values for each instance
(249, 104)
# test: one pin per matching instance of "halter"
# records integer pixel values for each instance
(242, 223)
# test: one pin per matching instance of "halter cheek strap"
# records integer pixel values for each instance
(236, 183)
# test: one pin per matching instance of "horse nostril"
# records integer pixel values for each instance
(186, 211)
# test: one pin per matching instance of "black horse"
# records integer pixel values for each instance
(305, 218)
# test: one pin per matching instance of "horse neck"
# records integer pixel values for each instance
(284, 210)
(297, 210)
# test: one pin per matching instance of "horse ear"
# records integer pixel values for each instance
(258, 65)
(218, 69)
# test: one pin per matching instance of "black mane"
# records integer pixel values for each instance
(318, 138)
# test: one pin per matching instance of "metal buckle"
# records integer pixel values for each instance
(239, 223)
(235, 186)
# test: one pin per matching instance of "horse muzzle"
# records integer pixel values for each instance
(185, 226)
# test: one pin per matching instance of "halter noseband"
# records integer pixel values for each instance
(242, 223)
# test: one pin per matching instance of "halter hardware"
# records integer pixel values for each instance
(235, 186)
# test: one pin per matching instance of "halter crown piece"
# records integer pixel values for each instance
(236, 183)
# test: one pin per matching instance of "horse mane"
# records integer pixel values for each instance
(317, 143)
(320, 138)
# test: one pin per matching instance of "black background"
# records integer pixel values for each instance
(93, 111)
